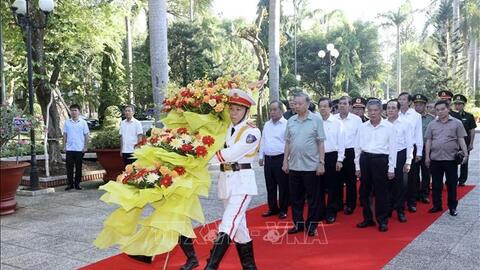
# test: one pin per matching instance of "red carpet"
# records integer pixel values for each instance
(340, 245)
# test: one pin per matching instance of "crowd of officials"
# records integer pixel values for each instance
(399, 151)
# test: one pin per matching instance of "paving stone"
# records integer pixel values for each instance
(28, 261)
(9, 250)
(8, 267)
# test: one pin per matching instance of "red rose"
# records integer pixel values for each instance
(208, 140)
(187, 148)
(182, 131)
(153, 140)
(201, 151)
(141, 173)
(211, 84)
(179, 170)
(166, 181)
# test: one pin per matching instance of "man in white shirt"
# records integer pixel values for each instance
(404, 146)
(131, 132)
(272, 147)
(334, 156)
(75, 139)
(351, 123)
(415, 120)
(376, 142)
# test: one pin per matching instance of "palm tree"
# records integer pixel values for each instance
(157, 18)
(274, 49)
(396, 18)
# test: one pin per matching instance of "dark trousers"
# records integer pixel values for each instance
(275, 178)
(413, 181)
(463, 172)
(449, 169)
(127, 158)
(347, 176)
(330, 185)
(305, 184)
(74, 160)
(425, 179)
(398, 186)
(374, 169)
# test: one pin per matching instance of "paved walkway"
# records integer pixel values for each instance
(56, 231)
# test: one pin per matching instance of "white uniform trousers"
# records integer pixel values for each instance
(234, 222)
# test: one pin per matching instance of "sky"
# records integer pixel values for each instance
(353, 9)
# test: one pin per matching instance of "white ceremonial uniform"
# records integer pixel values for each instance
(235, 188)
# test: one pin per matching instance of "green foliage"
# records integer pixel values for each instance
(112, 87)
(106, 139)
(15, 148)
(447, 52)
(112, 118)
(8, 131)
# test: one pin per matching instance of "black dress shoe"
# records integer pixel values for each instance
(348, 211)
(390, 214)
(425, 200)
(412, 209)
(330, 220)
(294, 230)
(366, 223)
(435, 209)
(141, 258)
(382, 228)
(78, 188)
(401, 217)
(68, 188)
(269, 213)
(461, 184)
(453, 212)
(282, 215)
(312, 233)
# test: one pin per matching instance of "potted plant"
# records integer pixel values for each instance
(107, 145)
(13, 122)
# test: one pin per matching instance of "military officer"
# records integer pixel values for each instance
(469, 123)
(236, 184)
(358, 108)
(420, 103)
(447, 95)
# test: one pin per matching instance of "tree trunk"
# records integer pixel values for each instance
(128, 28)
(399, 63)
(43, 90)
(158, 53)
(3, 93)
(192, 3)
(274, 50)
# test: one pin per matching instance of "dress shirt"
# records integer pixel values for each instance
(415, 121)
(351, 123)
(377, 140)
(75, 131)
(335, 136)
(404, 138)
(273, 138)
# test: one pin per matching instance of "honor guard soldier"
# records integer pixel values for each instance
(468, 122)
(236, 183)
(358, 108)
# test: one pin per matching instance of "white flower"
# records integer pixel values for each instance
(151, 178)
(186, 138)
(196, 143)
(176, 143)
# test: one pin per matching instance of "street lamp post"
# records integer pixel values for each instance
(329, 57)
(21, 15)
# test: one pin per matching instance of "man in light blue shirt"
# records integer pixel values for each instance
(304, 161)
(75, 139)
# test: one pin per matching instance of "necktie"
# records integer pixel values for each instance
(232, 131)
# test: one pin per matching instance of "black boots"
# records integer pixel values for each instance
(245, 252)
(220, 246)
(186, 244)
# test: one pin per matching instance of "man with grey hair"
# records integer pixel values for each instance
(131, 133)
(304, 161)
(376, 143)
(271, 154)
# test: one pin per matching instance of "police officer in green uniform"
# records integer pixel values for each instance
(358, 108)
(469, 123)
(420, 104)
